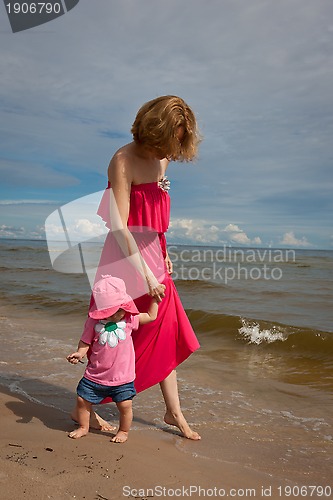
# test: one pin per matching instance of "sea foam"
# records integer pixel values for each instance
(251, 332)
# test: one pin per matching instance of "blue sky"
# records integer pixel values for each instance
(258, 74)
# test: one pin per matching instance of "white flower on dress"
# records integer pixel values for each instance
(110, 332)
(164, 183)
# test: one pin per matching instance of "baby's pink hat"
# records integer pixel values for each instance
(110, 295)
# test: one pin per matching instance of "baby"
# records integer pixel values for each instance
(107, 342)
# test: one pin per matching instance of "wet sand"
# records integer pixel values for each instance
(38, 460)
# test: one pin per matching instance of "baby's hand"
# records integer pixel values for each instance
(74, 358)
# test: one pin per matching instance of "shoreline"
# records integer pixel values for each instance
(38, 460)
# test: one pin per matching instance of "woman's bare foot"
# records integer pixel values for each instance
(120, 437)
(180, 422)
(78, 433)
(96, 422)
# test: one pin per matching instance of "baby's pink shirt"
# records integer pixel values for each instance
(107, 365)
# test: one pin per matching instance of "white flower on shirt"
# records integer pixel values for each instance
(110, 332)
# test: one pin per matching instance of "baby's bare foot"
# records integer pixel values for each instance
(120, 437)
(180, 422)
(78, 433)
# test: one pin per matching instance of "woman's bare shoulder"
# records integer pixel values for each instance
(123, 154)
(122, 162)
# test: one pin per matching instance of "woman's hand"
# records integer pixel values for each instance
(169, 264)
(157, 292)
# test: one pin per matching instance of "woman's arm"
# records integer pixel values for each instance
(169, 264)
(120, 178)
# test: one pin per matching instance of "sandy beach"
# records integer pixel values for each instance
(38, 460)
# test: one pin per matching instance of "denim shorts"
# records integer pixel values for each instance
(95, 393)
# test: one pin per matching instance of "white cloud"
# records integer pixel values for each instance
(20, 232)
(290, 239)
(77, 230)
(240, 238)
(237, 235)
(193, 231)
(203, 232)
(232, 228)
(86, 228)
(11, 231)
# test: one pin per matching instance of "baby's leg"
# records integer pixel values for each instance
(83, 409)
(125, 421)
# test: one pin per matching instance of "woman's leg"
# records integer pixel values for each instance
(125, 421)
(83, 409)
(96, 421)
(174, 415)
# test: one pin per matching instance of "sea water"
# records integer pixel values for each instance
(262, 382)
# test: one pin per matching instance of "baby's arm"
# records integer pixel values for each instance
(76, 357)
(151, 314)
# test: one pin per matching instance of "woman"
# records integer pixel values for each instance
(164, 129)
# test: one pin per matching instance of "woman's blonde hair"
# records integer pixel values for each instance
(157, 126)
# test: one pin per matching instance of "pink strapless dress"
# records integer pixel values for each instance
(162, 345)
